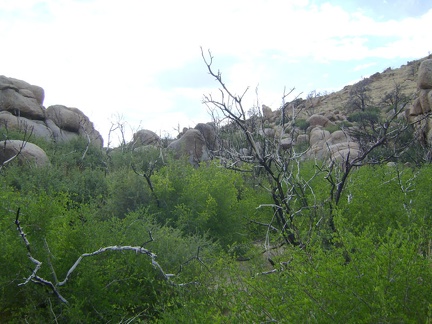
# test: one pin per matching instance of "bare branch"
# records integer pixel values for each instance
(26, 136)
(137, 249)
(34, 277)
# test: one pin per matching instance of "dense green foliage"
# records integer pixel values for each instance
(207, 230)
(369, 116)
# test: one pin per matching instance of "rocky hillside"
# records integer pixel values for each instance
(321, 120)
(379, 84)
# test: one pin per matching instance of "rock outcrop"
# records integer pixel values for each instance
(424, 78)
(191, 144)
(145, 137)
(335, 146)
(26, 153)
(422, 105)
(21, 108)
(208, 130)
(318, 120)
(21, 98)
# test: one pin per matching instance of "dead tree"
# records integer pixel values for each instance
(359, 98)
(280, 166)
(381, 140)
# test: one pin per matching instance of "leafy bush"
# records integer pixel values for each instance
(345, 124)
(332, 128)
(207, 199)
(369, 116)
(109, 286)
(301, 123)
(212, 223)
(127, 192)
(364, 280)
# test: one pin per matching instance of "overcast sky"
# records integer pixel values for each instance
(141, 59)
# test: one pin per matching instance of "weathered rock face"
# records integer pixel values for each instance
(302, 139)
(267, 112)
(29, 153)
(339, 136)
(87, 128)
(145, 137)
(208, 130)
(318, 120)
(21, 108)
(21, 99)
(425, 100)
(72, 121)
(424, 78)
(286, 143)
(64, 118)
(193, 145)
(318, 136)
(335, 146)
(37, 127)
(422, 105)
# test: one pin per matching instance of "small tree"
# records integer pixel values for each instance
(359, 98)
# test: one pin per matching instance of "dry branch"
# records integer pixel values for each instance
(137, 249)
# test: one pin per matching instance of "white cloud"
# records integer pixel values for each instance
(363, 66)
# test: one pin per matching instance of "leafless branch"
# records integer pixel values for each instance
(147, 176)
(34, 277)
(54, 287)
(28, 132)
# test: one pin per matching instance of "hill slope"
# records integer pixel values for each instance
(378, 85)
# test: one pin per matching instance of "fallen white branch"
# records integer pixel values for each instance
(137, 249)
(34, 277)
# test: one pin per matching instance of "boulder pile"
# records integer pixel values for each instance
(21, 108)
(422, 105)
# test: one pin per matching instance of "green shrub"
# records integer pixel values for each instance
(301, 123)
(332, 128)
(369, 116)
(104, 287)
(345, 124)
(364, 280)
(127, 192)
(207, 199)
(375, 266)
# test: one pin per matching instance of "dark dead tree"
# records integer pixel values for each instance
(359, 98)
(265, 154)
(147, 176)
(382, 140)
(396, 99)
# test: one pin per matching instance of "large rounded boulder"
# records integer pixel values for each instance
(145, 137)
(65, 118)
(192, 145)
(65, 122)
(424, 80)
(23, 152)
(21, 98)
(208, 130)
